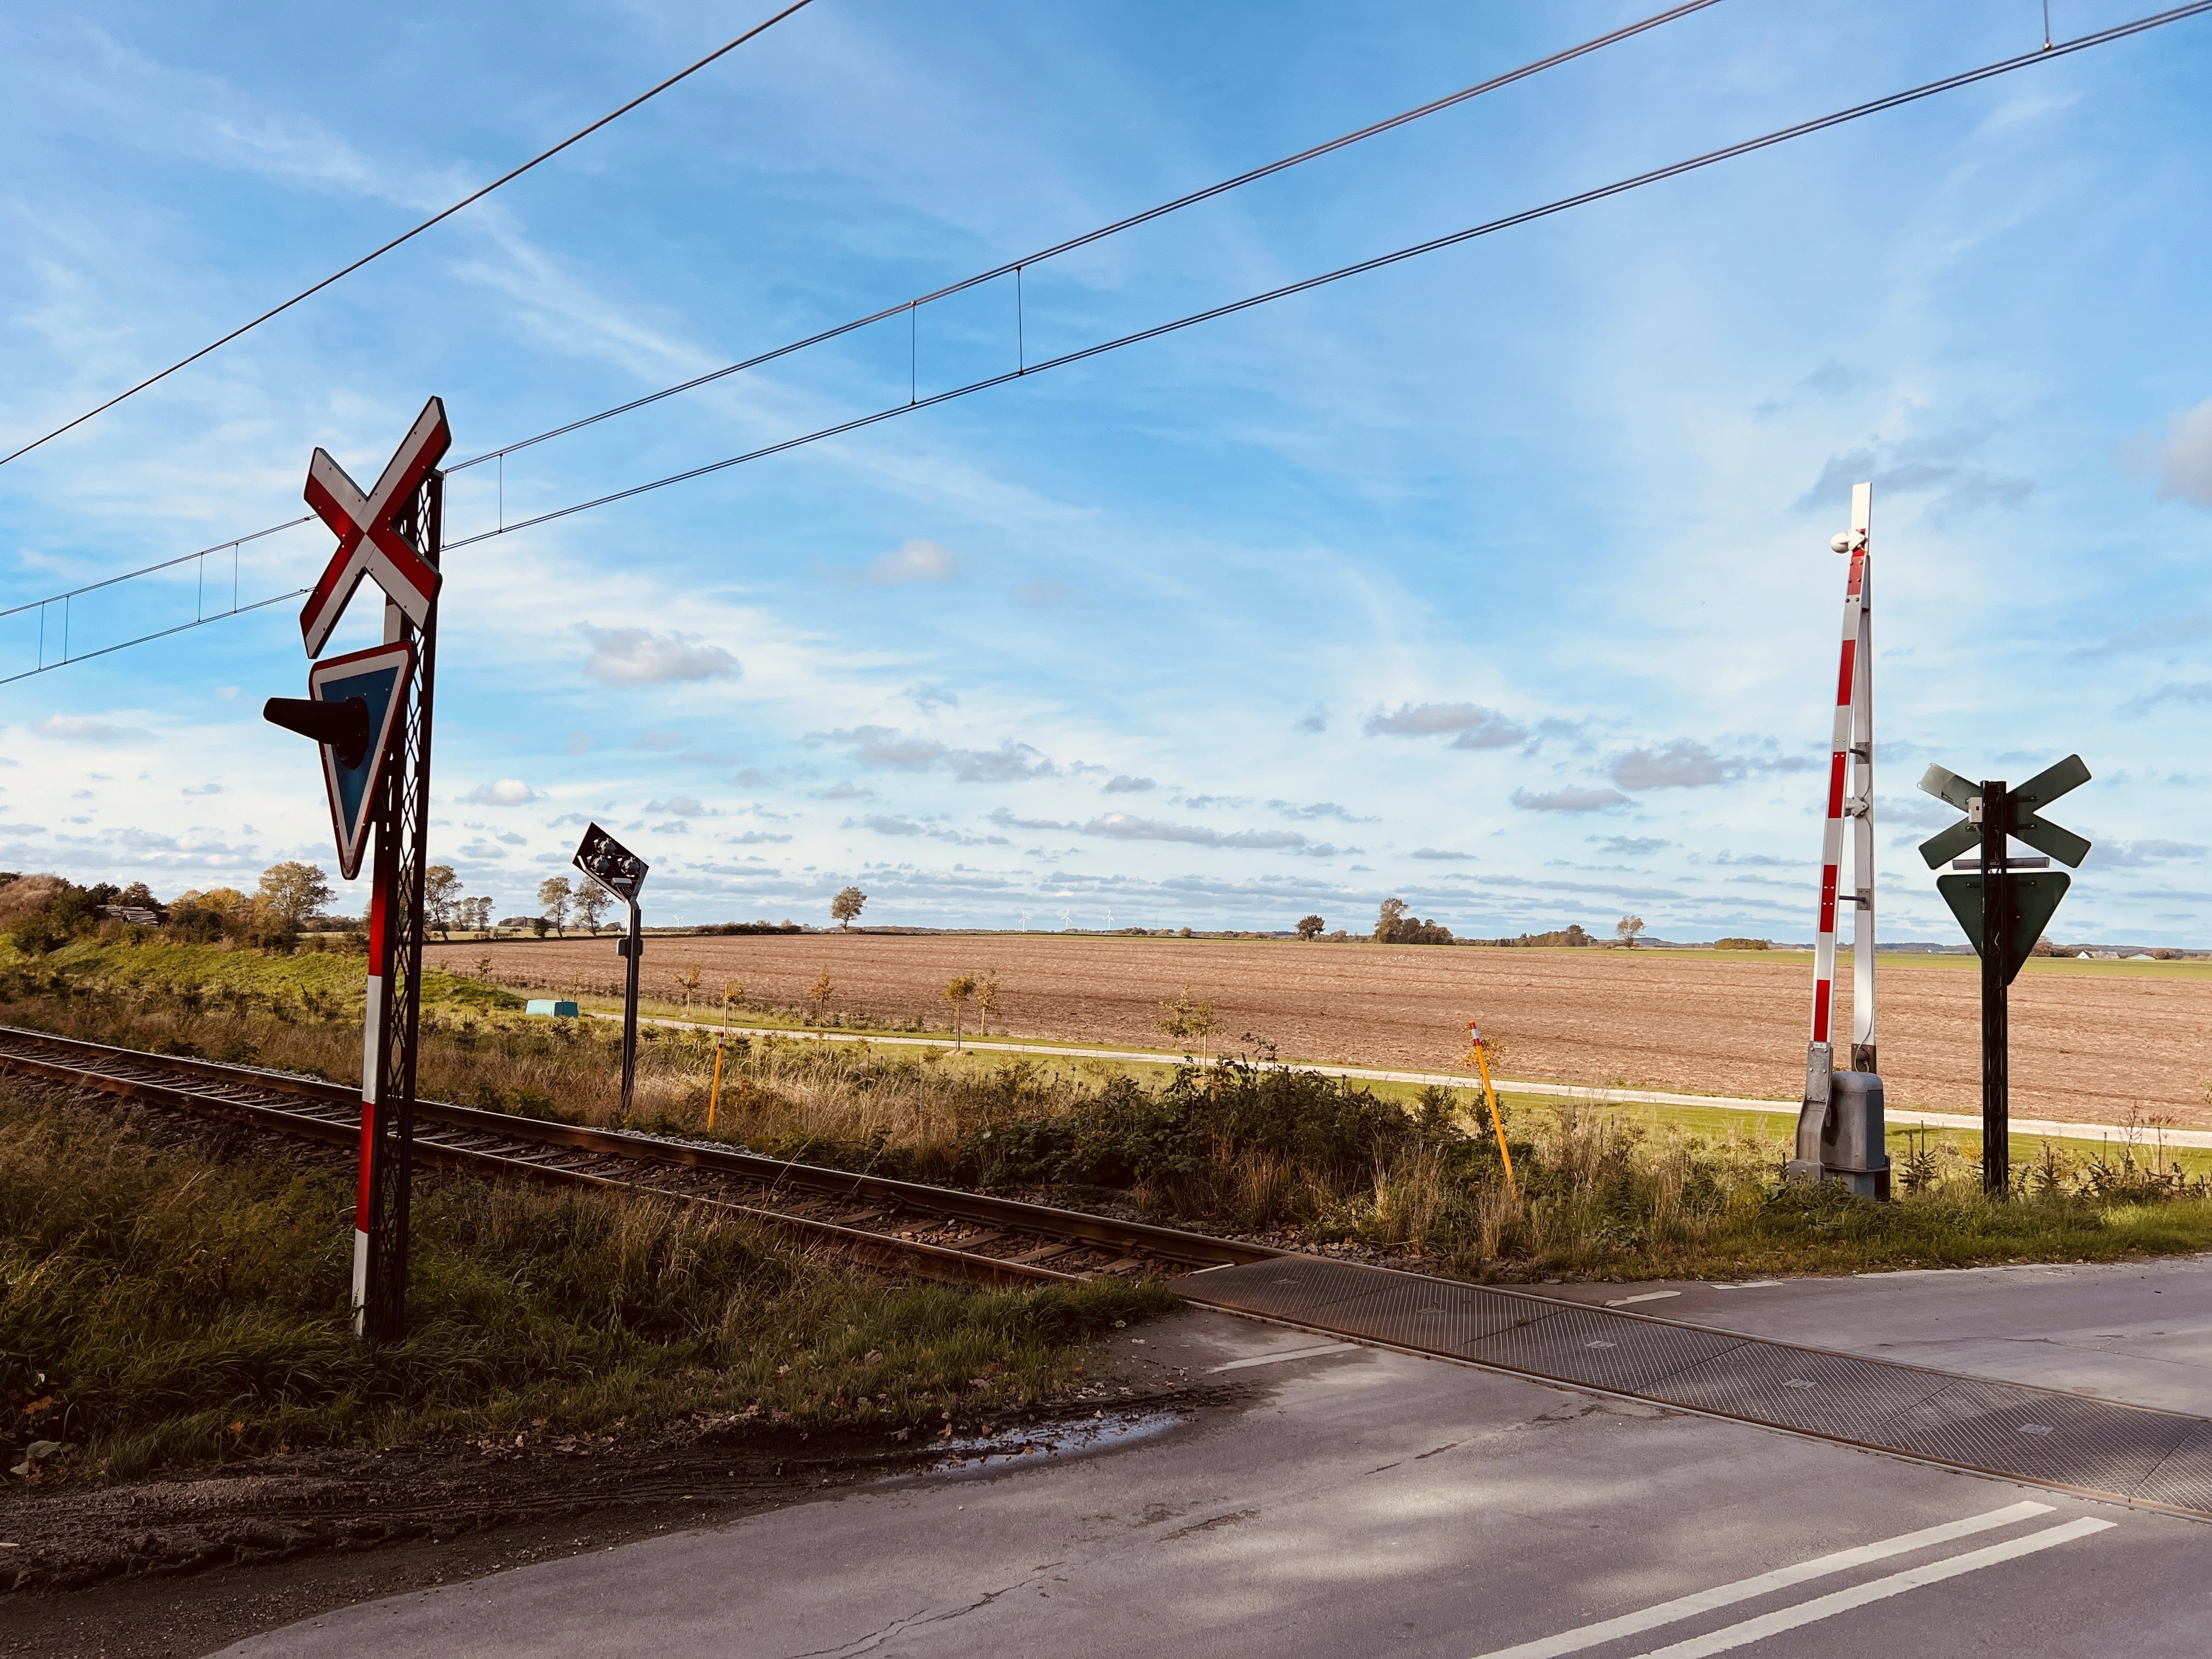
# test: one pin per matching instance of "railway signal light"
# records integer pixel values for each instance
(2003, 910)
(622, 873)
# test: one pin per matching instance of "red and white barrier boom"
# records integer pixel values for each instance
(1838, 1129)
(370, 711)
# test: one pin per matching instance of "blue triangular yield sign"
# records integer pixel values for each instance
(380, 677)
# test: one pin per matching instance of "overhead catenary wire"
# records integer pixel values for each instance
(909, 306)
(1014, 267)
(1435, 243)
(1780, 135)
(474, 196)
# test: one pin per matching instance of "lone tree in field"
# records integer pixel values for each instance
(554, 895)
(987, 1000)
(1388, 922)
(1309, 927)
(441, 892)
(591, 902)
(846, 905)
(290, 893)
(1626, 929)
(958, 993)
(818, 994)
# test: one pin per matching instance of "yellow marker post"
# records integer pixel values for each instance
(714, 1092)
(1482, 1064)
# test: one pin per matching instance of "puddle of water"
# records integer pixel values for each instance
(1058, 1443)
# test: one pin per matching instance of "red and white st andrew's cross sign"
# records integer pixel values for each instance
(369, 542)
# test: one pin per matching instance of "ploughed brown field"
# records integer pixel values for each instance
(2089, 1040)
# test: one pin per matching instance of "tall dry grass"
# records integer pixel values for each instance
(1244, 1146)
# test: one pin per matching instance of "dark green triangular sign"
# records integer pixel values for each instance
(2035, 895)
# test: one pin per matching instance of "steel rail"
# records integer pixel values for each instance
(979, 1238)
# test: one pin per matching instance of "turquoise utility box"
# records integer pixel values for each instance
(553, 1010)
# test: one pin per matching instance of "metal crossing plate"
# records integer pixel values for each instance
(2010, 1429)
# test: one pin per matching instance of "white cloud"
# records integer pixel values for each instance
(76, 728)
(2185, 461)
(1568, 800)
(1478, 727)
(1681, 765)
(912, 561)
(637, 656)
(504, 791)
(1126, 785)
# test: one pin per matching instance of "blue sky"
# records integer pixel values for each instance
(1498, 580)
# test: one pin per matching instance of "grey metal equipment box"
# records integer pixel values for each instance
(1853, 1145)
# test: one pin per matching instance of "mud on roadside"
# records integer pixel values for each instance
(184, 1564)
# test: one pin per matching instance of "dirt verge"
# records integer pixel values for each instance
(184, 1566)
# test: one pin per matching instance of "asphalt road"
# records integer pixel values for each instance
(2140, 1332)
(1363, 1501)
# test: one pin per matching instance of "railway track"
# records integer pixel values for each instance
(938, 1232)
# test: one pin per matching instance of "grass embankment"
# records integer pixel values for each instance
(1601, 1191)
(161, 1306)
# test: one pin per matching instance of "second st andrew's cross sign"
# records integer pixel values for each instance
(2003, 907)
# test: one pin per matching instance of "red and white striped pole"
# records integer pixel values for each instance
(373, 1028)
(1851, 795)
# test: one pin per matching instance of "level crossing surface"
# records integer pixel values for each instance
(1363, 1499)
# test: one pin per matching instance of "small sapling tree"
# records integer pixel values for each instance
(1188, 1022)
(1309, 927)
(846, 906)
(818, 994)
(987, 1000)
(958, 992)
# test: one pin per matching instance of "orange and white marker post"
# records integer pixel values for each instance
(1476, 1053)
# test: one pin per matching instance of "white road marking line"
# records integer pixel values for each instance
(1843, 1600)
(1723, 1595)
(1748, 1285)
(1648, 1296)
(1287, 1354)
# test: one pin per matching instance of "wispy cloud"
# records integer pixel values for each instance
(1476, 728)
(1124, 785)
(2158, 631)
(1682, 764)
(637, 656)
(503, 792)
(2137, 855)
(1124, 826)
(1937, 466)
(2185, 461)
(81, 728)
(911, 561)
(1568, 800)
(886, 746)
(2190, 692)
